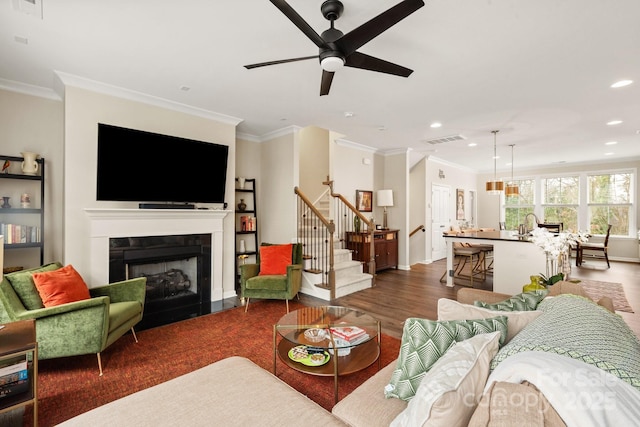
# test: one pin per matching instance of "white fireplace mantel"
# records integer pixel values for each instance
(112, 223)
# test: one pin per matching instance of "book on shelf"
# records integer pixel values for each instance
(248, 223)
(16, 233)
(7, 380)
(13, 388)
(348, 333)
(14, 365)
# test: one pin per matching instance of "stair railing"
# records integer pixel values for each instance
(418, 228)
(348, 225)
(316, 234)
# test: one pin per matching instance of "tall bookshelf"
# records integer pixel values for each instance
(246, 225)
(22, 225)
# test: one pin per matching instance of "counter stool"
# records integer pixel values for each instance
(472, 255)
(487, 258)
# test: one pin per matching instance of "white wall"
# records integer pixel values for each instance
(396, 178)
(314, 161)
(280, 174)
(352, 168)
(35, 124)
(83, 110)
(418, 208)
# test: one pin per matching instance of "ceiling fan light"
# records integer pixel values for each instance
(332, 63)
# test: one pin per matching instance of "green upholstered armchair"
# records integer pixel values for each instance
(272, 286)
(76, 328)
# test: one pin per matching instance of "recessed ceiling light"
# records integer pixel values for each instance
(611, 143)
(496, 157)
(609, 154)
(382, 128)
(471, 144)
(621, 83)
(348, 114)
(436, 125)
(614, 122)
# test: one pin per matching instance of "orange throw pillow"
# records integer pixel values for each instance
(274, 259)
(60, 286)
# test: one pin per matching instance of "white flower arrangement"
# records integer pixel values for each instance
(556, 247)
(553, 245)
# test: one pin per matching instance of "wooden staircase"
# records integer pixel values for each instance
(348, 273)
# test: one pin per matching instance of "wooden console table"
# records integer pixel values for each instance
(385, 244)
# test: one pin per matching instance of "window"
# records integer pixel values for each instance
(587, 201)
(561, 200)
(610, 202)
(517, 208)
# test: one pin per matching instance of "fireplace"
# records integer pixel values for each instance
(177, 268)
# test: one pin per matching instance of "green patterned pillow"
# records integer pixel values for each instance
(425, 341)
(22, 283)
(526, 301)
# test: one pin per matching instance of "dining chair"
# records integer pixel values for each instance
(594, 247)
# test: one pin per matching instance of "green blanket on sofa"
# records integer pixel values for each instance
(575, 327)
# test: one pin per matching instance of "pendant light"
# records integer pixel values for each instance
(512, 190)
(495, 186)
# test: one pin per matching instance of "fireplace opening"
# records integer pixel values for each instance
(177, 269)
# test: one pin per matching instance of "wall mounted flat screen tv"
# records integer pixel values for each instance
(140, 166)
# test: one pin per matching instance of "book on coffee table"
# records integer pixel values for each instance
(348, 333)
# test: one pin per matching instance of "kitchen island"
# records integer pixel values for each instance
(515, 258)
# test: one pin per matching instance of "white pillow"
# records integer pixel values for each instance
(449, 393)
(453, 310)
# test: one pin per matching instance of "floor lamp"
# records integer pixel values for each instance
(385, 199)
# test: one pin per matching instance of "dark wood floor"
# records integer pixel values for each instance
(400, 294)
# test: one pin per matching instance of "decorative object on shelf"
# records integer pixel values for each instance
(356, 223)
(556, 247)
(25, 201)
(511, 190)
(385, 199)
(363, 200)
(5, 202)
(243, 248)
(5, 166)
(242, 206)
(29, 165)
(241, 182)
(494, 187)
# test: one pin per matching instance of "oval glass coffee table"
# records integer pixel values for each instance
(308, 337)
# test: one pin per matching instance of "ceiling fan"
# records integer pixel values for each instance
(338, 49)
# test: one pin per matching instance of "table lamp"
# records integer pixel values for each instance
(385, 199)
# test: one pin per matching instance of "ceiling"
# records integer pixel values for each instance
(538, 71)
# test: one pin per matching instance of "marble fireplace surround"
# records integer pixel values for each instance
(111, 223)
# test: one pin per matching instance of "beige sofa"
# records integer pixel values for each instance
(235, 391)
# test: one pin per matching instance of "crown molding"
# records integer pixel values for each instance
(350, 144)
(27, 89)
(131, 95)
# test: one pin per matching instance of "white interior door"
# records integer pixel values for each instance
(440, 195)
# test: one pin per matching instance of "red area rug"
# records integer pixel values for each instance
(70, 386)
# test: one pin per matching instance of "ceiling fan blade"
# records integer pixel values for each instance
(366, 62)
(299, 22)
(356, 38)
(280, 61)
(325, 84)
